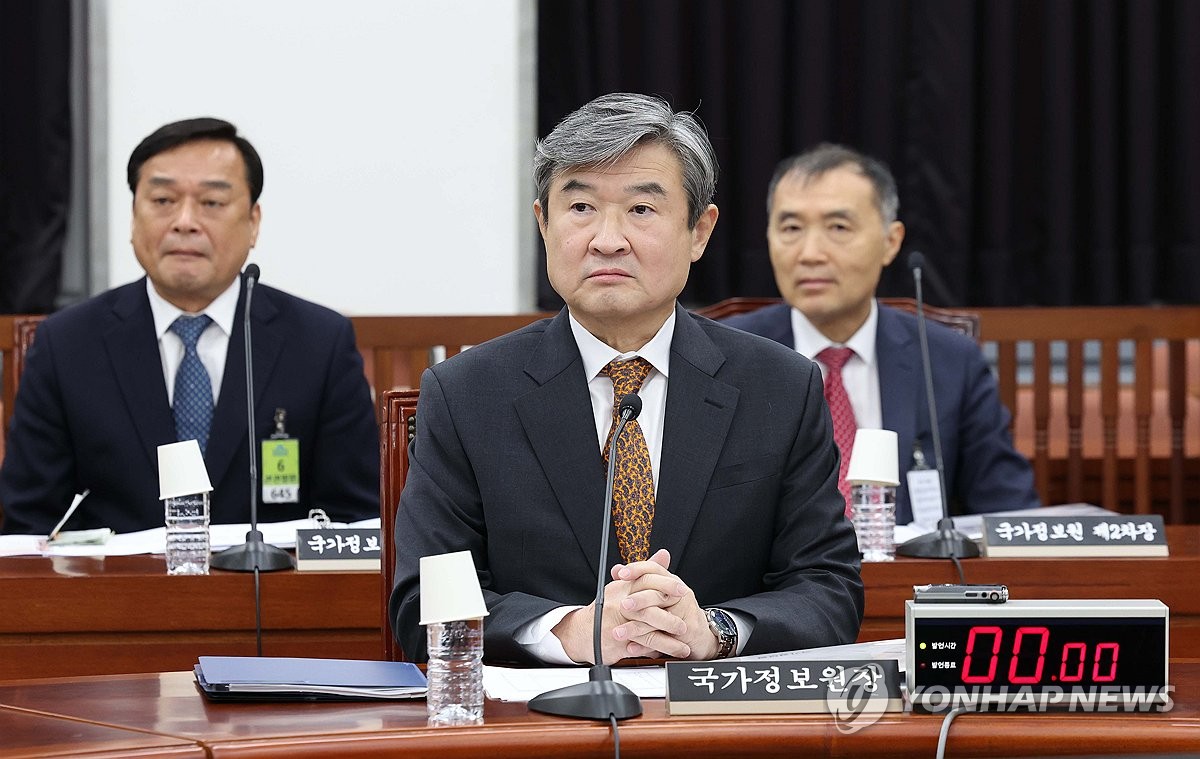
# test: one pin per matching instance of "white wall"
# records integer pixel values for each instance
(396, 136)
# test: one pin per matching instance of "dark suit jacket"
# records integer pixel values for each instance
(983, 471)
(92, 410)
(506, 464)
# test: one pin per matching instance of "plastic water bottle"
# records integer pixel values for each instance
(187, 534)
(873, 509)
(455, 672)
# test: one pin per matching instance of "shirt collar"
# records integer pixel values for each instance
(810, 341)
(597, 354)
(222, 310)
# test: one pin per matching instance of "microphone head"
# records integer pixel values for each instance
(251, 273)
(916, 260)
(630, 406)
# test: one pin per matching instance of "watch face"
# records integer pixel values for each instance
(726, 631)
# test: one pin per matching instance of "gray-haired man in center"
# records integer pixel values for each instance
(729, 530)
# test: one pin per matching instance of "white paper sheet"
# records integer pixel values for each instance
(515, 684)
(971, 525)
(512, 684)
(892, 648)
(222, 536)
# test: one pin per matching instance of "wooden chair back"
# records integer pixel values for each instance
(16, 335)
(396, 432)
(1105, 402)
(396, 349)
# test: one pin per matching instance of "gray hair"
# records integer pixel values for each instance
(603, 131)
(826, 157)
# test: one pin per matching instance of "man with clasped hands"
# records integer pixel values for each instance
(729, 532)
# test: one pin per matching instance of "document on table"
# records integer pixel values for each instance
(971, 525)
(892, 648)
(514, 684)
(221, 536)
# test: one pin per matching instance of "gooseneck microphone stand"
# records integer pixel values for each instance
(600, 698)
(255, 554)
(946, 542)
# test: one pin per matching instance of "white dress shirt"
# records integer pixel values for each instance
(860, 375)
(597, 355)
(213, 344)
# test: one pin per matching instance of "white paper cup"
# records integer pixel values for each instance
(181, 470)
(450, 589)
(875, 459)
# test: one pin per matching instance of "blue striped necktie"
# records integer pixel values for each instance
(193, 403)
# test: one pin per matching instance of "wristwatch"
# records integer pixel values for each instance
(726, 631)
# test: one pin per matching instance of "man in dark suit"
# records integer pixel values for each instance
(832, 228)
(104, 379)
(729, 533)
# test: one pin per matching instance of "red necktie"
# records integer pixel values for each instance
(633, 484)
(840, 409)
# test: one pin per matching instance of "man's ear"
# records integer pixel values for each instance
(703, 231)
(893, 238)
(539, 216)
(255, 221)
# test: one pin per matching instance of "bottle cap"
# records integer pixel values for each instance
(875, 460)
(450, 589)
(181, 470)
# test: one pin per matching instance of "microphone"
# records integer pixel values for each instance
(255, 554)
(600, 697)
(946, 542)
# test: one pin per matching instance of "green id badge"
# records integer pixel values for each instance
(281, 470)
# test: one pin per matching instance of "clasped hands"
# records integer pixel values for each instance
(648, 612)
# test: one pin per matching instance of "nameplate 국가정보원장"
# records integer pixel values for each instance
(781, 686)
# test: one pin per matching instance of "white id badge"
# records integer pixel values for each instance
(925, 496)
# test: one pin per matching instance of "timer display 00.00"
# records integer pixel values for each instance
(1032, 653)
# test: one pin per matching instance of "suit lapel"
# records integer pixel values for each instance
(133, 353)
(229, 417)
(558, 421)
(900, 382)
(699, 411)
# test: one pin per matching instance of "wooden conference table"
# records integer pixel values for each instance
(122, 614)
(164, 715)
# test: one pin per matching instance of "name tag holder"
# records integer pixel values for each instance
(280, 464)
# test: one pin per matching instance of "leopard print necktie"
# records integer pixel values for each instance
(633, 485)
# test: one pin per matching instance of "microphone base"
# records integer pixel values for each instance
(947, 542)
(600, 698)
(255, 553)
